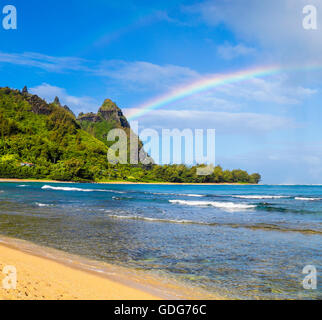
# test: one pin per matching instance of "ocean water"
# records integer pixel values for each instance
(244, 242)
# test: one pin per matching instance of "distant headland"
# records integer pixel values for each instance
(46, 141)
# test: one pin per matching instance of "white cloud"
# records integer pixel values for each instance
(229, 51)
(77, 104)
(276, 25)
(210, 100)
(45, 62)
(137, 73)
(224, 122)
(148, 79)
(145, 74)
(277, 89)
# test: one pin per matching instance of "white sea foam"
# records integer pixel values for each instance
(307, 199)
(65, 189)
(118, 198)
(78, 189)
(43, 204)
(191, 195)
(180, 194)
(222, 205)
(259, 197)
(131, 217)
(22, 186)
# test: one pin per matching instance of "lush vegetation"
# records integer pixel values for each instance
(45, 141)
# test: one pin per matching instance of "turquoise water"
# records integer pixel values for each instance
(238, 241)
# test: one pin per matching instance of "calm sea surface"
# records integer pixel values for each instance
(238, 241)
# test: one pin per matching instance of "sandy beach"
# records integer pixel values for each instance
(31, 180)
(40, 278)
(127, 182)
(60, 276)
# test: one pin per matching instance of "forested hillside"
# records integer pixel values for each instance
(109, 116)
(47, 137)
(41, 140)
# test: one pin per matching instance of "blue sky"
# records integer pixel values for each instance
(133, 51)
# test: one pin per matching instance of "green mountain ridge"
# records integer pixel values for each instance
(40, 140)
(108, 117)
(46, 135)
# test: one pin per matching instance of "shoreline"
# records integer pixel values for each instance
(2, 180)
(49, 274)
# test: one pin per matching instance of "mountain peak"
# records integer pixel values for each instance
(109, 111)
(57, 101)
(109, 105)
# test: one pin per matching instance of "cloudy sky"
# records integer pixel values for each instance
(134, 51)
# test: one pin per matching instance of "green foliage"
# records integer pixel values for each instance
(98, 129)
(53, 142)
(61, 148)
(108, 105)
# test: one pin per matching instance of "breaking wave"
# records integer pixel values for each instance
(221, 205)
(178, 194)
(114, 216)
(307, 199)
(78, 189)
(43, 204)
(259, 226)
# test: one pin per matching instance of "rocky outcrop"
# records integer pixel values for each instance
(69, 110)
(109, 116)
(57, 103)
(110, 112)
(91, 117)
(38, 105)
(24, 90)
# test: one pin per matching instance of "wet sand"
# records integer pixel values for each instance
(49, 274)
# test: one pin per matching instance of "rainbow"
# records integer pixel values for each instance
(202, 85)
